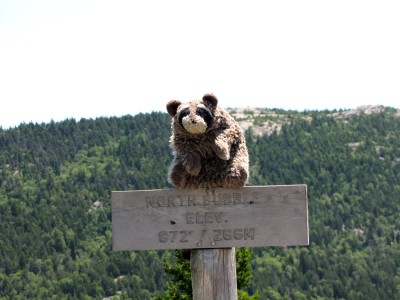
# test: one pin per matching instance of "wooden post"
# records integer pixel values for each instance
(214, 274)
(210, 225)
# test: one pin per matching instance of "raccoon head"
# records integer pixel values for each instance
(194, 116)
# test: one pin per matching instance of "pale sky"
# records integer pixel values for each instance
(85, 59)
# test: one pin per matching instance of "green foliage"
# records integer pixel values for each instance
(179, 287)
(351, 169)
(243, 267)
(244, 273)
(55, 185)
(56, 180)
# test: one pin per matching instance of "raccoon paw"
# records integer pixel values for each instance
(222, 150)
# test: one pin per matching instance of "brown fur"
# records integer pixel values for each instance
(216, 158)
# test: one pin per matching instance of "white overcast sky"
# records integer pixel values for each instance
(72, 59)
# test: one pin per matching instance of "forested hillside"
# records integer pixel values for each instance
(55, 221)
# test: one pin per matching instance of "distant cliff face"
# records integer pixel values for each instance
(365, 109)
(264, 121)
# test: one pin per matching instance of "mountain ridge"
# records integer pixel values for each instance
(56, 180)
(264, 121)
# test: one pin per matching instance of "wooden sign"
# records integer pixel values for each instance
(252, 216)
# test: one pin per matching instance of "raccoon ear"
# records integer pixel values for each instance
(172, 107)
(211, 99)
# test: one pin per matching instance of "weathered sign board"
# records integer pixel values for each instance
(192, 219)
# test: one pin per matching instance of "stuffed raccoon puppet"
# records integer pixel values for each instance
(208, 145)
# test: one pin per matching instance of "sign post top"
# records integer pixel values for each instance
(252, 216)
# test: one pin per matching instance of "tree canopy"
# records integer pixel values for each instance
(55, 217)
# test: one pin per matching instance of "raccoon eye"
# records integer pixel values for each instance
(183, 114)
(205, 114)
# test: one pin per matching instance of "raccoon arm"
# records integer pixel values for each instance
(222, 149)
(224, 138)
